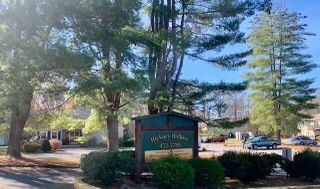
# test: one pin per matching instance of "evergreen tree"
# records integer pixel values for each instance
(209, 102)
(193, 29)
(280, 96)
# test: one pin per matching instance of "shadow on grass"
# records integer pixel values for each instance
(45, 162)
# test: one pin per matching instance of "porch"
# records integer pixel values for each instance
(65, 136)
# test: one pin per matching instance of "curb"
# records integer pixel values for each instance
(79, 184)
(42, 166)
(290, 187)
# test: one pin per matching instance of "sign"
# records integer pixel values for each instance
(157, 144)
(161, 135)
(183, 153)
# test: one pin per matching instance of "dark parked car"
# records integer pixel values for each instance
(303, 140)
(220, 138)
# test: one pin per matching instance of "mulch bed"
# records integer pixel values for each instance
(26, 162)
(270, 181)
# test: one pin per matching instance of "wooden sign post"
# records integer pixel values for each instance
(160, 135)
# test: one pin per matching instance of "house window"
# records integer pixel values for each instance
(77, 133)
(43, 135)
(54, 134)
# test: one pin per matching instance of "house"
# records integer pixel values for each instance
(4, 140)
(65, 136)
(4, 137)
(311, 127)
(70, 136)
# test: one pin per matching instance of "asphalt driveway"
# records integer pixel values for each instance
(36, 178)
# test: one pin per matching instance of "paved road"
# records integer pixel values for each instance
(63, 153)
(67, 153)
(37, 178)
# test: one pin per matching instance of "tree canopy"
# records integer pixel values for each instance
(119, 57)
(280, 96)
(34, 57)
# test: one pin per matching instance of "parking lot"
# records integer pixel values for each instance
(218, 149)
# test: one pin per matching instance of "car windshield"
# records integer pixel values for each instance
(256, 139)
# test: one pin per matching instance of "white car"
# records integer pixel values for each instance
(303, 140)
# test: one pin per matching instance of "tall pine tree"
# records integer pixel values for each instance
(280, 96)
(195, 29)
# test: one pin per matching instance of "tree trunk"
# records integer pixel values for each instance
(113, 136)
(278, 134)
(15, 136)
(151, 105)
(19, 117)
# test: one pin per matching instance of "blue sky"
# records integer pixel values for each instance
(310, 8)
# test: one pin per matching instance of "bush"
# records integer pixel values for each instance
(248, 167)
(288, 166)
(108, 166)
(208, 172)
(126, 162)
(128, 142)
(55, 144)
(173, 173)
(46, 146)
(82, 140)
(65, 141)
(30, 147)
(306, 164)
(229, 161)
(272, 161)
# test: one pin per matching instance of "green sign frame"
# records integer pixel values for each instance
(163, 134)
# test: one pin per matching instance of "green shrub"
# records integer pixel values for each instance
(65, 141)
(172, 173)
(252, 167)
(289, 167)
(83, 140)
(31, 147)
(108, 166)
(208, 173)
(46, 146)
(229, 161)
(248, 167)
(128, 142)
(306, 164)
(272, 160)
(126, 162)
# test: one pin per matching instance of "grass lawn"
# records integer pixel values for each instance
(29, 162)
(301, 148)
(40, 162)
